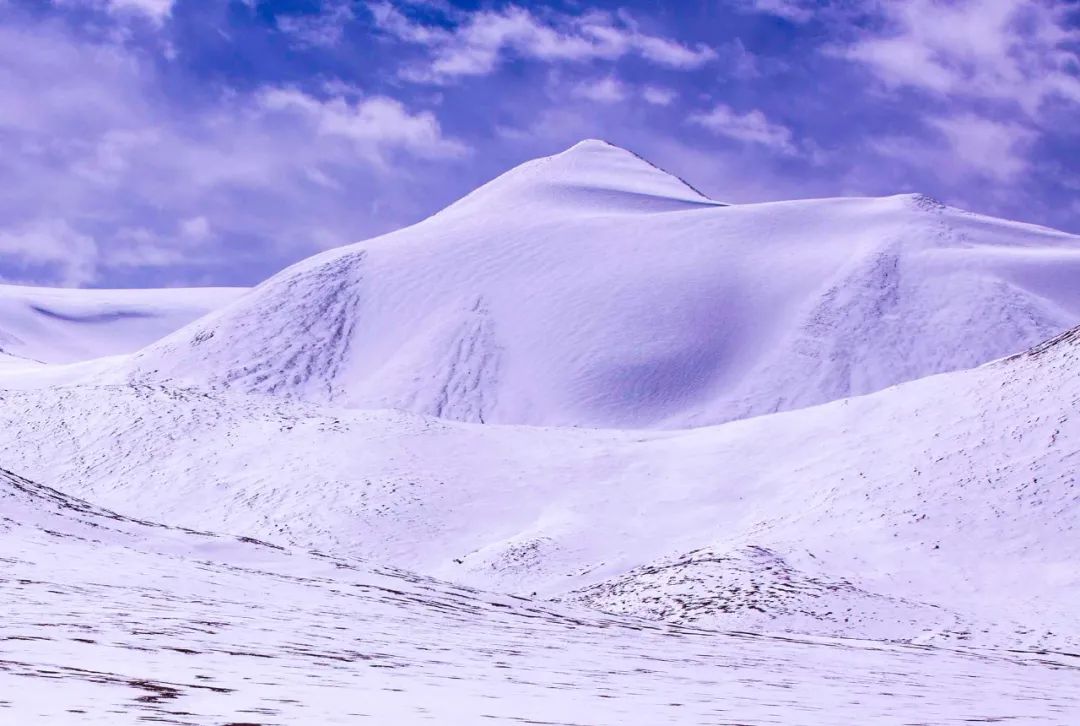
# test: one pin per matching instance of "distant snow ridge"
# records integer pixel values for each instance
(590, 288)
(49, 325)
(1067, 343)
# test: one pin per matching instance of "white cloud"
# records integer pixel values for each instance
(797, 11)
(324, 29)
(964, 146)
(993, 149)
(195, 228)
(740, 63)
(49, 250)
(1021, 51)
(90, 143)
(370, 124)
(140, 248)
(983, 59)
(482, 40)
(601, 90)
(751, 127)
(658, 96)
(156, 10)
(670, 53)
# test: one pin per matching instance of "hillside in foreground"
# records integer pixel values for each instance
(110, 620)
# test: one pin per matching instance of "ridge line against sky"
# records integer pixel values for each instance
(175, 142)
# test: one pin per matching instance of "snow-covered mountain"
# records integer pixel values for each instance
(591, 288)
(51, 325)
(362, 425)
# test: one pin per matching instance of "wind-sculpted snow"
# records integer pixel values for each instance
(47, 325)
(592, 289)
(108, 620)
(907, 515)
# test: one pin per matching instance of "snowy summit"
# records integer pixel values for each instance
(591, 288)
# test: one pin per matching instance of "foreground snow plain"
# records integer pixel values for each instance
(908, 556)
(109, 620)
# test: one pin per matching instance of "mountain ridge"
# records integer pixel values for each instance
(531, 302)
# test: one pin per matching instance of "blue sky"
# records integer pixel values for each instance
(177, 142)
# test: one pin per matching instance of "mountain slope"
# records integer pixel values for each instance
(591, 288)
(54, 325)
(908, 514)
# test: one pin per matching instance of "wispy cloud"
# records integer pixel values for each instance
(155, 11)
(601, 90)
(478, 42)
(103, 171)
(1022, 51)
(994, 149)
(658, 95)
(370, 125)
(48, 250)
(751, 127)
(797, 11)
(322, 29)
(963, 147)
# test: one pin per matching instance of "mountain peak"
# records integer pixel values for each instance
(586, 145)
(591, 175)
(606, 156)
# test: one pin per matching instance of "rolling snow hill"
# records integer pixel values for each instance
(52, 325)
(906, 515)
(592, 289)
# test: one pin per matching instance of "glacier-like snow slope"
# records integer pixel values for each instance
(943, 509)
(108, 620)
(53, 325)
(592, 289)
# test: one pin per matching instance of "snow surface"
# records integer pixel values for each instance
(109, 620)
(593, 289)
(50, 325)
(363, 425)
